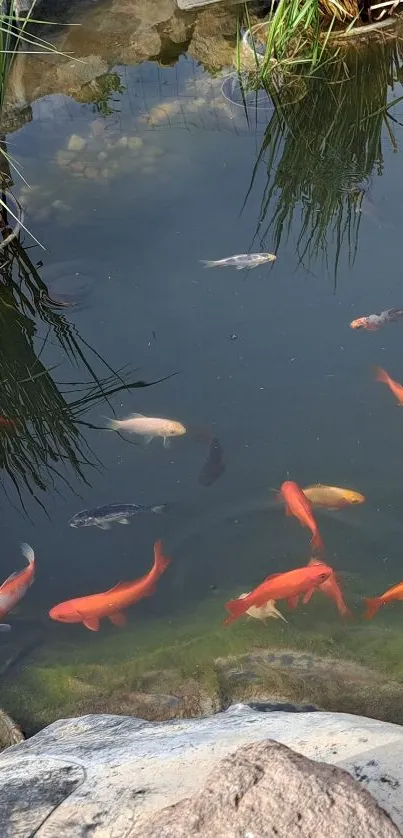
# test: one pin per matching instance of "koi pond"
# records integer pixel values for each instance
(140, 156)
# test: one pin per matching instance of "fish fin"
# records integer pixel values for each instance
(292, 601)
(272, 576)
(372, 606)
(159, 510)
(148, 439)
(280, 615)
(118, 619)
(167, 442)
(9, 578)
(123, 521)
(161, 562)
(208, 263)
(91, 623)
(5, 627)
(288, 511)
(137, 416)
(240, 267)
(103, 525)
(317, 542)
(236, 608)
(381, 375)
(28, 553)
(308, 595)
(151, 591)
(113, 424)
(120, 586)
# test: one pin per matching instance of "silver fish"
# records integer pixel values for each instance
(112, 513)
(243, 260)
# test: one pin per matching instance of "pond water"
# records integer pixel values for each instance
(135, 177)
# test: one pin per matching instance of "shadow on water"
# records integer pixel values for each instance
(321, 148)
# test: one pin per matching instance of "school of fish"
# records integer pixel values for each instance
(295, 586)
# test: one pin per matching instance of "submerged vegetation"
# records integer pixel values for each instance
(191, 666)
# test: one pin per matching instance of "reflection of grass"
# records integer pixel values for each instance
(80, 673)
(320, 151)
(40, 434)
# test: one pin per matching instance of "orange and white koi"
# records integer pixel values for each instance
(16, 585)
(373, 322)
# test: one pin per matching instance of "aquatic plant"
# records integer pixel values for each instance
(321, 147)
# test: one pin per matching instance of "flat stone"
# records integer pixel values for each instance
(102, 774)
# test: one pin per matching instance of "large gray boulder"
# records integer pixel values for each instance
(104, 775)
(267, 790)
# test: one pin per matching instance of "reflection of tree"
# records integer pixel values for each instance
(39, 419)
(320, 151)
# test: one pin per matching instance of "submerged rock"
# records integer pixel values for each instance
(108, 775)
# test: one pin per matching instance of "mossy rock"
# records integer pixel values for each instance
(10, 733)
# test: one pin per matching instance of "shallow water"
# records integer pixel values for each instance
(127, 196)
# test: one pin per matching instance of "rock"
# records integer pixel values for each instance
(113, 772)
(152, 12)
(214, 38)
(76, 143)
(10, 733)
(268, 790)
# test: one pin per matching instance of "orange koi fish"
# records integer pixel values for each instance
(298, 504)
(391, 595)
(289, 585)
(14, 588)
(90, 609)
(330, 588)
(373, 322)
(394, 386)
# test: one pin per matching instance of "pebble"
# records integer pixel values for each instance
(77, 166)
(64, 158)
(76, 143)
(135, 143)
(91, 172)
(102, 155)
(123, 142)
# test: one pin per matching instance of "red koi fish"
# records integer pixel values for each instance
(289, 585)
(330, 588)
(394, 386)
(296, 503)
(90, 609)
(14, 588)
(391, 595)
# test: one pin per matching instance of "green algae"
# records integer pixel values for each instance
(198, 666)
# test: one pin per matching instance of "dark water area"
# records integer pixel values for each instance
(129, 191)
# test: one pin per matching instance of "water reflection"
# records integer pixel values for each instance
(321, 151)
(41, 443)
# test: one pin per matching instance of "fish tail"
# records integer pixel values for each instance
(161, 562)
(159, 510)
(236, 608)
(372, 606)
(28, 553)
(381, 375)
(208, 263)
(317, 542)
(113, 424)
